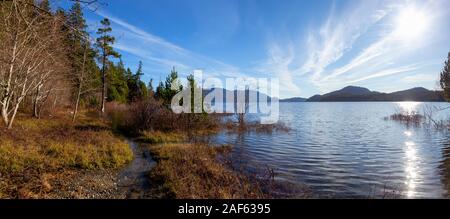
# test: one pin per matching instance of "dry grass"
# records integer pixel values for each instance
(158, 137)
(255, 127)
(37, 147)
(411, 118)
(191, 171)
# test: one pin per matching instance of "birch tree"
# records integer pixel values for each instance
(28, 54)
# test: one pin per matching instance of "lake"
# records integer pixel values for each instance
(349, 150)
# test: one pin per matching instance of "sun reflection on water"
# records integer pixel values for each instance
(408, 107)
(412, 173)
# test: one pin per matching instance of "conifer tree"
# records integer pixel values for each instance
(104, 44)
(445, 78)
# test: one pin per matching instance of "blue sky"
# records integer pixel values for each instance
(313, 47)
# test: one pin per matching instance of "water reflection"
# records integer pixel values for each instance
(445, 167)
(411, 169)
(347, 150)
(408, 107)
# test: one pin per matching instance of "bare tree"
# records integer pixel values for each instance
(28, 55)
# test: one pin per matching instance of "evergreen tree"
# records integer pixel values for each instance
(138, 89)
(117, 87)
(195, 89)
(165, 92)
(104, 43)
(159, 94)
(445, 78)
(84, 72)
(151, 89)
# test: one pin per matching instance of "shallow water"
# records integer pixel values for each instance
(134, 178)
(348, 150)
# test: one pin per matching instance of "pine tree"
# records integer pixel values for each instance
(160, 94)
(445, 78)
(151, 89)
(138, 89)
(172, 81)
(117, 87)
(84, 71)
(104, 43)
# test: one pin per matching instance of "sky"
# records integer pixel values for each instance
(312, 47)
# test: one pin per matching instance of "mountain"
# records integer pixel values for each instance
(256, 95)
(356, 94)
(351, 90)
(293, 100)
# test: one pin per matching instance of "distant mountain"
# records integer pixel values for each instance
(293, 100)
(351, 90)
(355, 94)
(254, 94)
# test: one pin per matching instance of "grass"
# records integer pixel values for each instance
(412, 118)
(157, 137)
(37, 147)
(191, 171)
(188, 170)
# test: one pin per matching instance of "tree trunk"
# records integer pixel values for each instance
(80, 85)
(36, 102)
(5, 116)
(75, 112)
(11, 121)
(104, 84)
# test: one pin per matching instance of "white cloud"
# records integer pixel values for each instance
(420, 78)
(337, 35)
(163, 53)
(387, 72)
(278, 65)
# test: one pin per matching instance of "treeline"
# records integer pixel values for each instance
(49, 60)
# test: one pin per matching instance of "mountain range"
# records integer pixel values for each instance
(361, 94)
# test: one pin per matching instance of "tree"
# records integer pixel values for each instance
(166, 91)
(196, 95)
(30, 55)
(84, 70)
(104, 43)
(138, 89)
(151, 89)
(445, 78)
(117, 87)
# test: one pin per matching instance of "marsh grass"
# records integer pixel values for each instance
(407, 118)
(158, 137)
(191, 171)
(36, 147)
(253, 126)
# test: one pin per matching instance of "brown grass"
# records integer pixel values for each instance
(158, 137)
(255, 127)
(412, 118)
(37, 147)
(191, 171)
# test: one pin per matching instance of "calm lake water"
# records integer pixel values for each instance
(348, 150)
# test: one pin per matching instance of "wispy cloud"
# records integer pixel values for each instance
(164, 54)
(387, 72)
(358, 45)
(337, 35)
(325, 46)
(420, 78)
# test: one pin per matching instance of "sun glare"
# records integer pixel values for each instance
(411, 23)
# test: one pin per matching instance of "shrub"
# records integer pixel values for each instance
(151, 115)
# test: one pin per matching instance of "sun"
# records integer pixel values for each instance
(411, 23)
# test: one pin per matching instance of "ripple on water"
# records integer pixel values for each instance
(349, 150)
